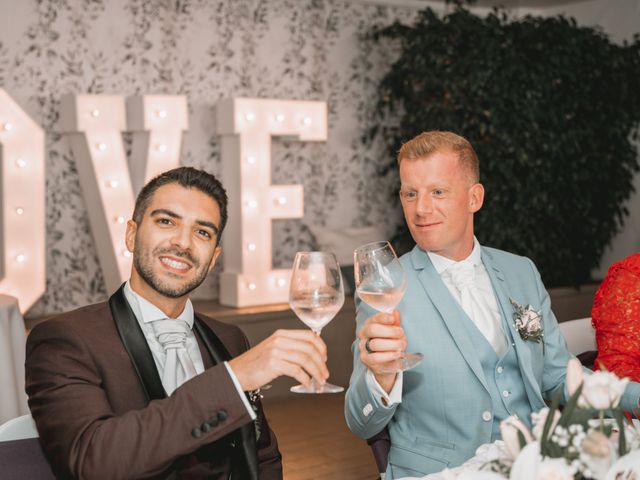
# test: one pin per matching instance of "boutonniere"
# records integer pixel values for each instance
(528, 322)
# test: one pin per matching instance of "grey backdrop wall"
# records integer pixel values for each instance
(210, 49)
(206, 50)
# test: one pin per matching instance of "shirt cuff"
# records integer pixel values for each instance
(236, 383)
(386, 399)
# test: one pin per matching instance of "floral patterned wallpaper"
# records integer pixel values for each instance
(206, 50)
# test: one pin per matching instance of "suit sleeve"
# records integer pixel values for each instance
(365, 413)
(83, 437)
(556, 355)
(269, 457)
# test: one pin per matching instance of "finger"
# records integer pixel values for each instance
(382, 331)
(310, 349)
(295, 371)
(304, 336)
(300, 352)
(382, 318)
(317, 369)
(384, 345)
(379, 360)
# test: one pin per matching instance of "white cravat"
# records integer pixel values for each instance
(178, 366)
(462, 276)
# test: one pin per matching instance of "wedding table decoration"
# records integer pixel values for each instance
(577, 443)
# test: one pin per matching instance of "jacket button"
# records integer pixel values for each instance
(222, 415)
(196, 432)
(205, 427)
(486, 416)
(213, 422)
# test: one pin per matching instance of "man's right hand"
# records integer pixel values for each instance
(299, 354)
(387, 343)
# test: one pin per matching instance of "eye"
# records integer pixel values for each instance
(204, 233)
(164, 221)
(438, 192)
(408, 195)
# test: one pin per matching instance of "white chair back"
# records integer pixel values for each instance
(18, 429)
(579, 335)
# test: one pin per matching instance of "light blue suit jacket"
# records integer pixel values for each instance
(443, 417)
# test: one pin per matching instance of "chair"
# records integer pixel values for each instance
(581, 339)
(18, 429)
(20, 453)
(380, 445)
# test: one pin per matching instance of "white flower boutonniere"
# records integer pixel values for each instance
(528, 322)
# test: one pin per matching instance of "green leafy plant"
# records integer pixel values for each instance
(552, 110)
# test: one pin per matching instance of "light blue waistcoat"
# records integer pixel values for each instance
(503, 378)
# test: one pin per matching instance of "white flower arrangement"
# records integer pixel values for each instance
(528, 322)
(572, 445)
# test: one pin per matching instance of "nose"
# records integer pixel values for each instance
(182, 238)
(424, 205)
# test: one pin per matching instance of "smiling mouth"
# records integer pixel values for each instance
(175, 264)
(427, 225)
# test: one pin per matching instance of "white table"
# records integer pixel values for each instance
(13, 400)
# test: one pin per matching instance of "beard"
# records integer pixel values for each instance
(143, 261)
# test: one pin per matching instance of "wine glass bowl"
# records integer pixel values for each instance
(380, 283)
(316, 295)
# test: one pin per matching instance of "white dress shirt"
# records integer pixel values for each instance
(482, 283)
(146, 313)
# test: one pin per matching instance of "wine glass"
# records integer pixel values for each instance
(380, 283)
(316, 295)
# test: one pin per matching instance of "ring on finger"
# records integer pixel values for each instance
(367, 347)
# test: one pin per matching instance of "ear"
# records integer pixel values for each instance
(476, 197)
(130, 235)
(216, 253)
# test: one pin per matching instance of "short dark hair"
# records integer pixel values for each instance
(187, 177)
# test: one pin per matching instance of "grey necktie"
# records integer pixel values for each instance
(475, 305)
(178, 366)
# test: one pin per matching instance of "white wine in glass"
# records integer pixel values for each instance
(316, 295)
(380, 283)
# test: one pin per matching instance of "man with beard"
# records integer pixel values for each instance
(140, 386)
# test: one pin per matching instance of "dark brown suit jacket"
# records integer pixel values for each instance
(95, 420)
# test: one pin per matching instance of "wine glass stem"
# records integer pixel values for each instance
(314, 384)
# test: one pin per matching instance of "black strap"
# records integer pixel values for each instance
(245, 466)
(136, 346)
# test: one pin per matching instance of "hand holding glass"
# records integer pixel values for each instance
(380, 283)
(316, 295)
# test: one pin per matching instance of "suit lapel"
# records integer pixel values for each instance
(449, 310)
(246, 465)
(500, 288)
(136, 346)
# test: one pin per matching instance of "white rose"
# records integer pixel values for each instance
(575, 375)
(626, 467)
(602, 390)
(554, 469)
(509, 429)
(540, 418)
(526, 465)
(532, 320)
